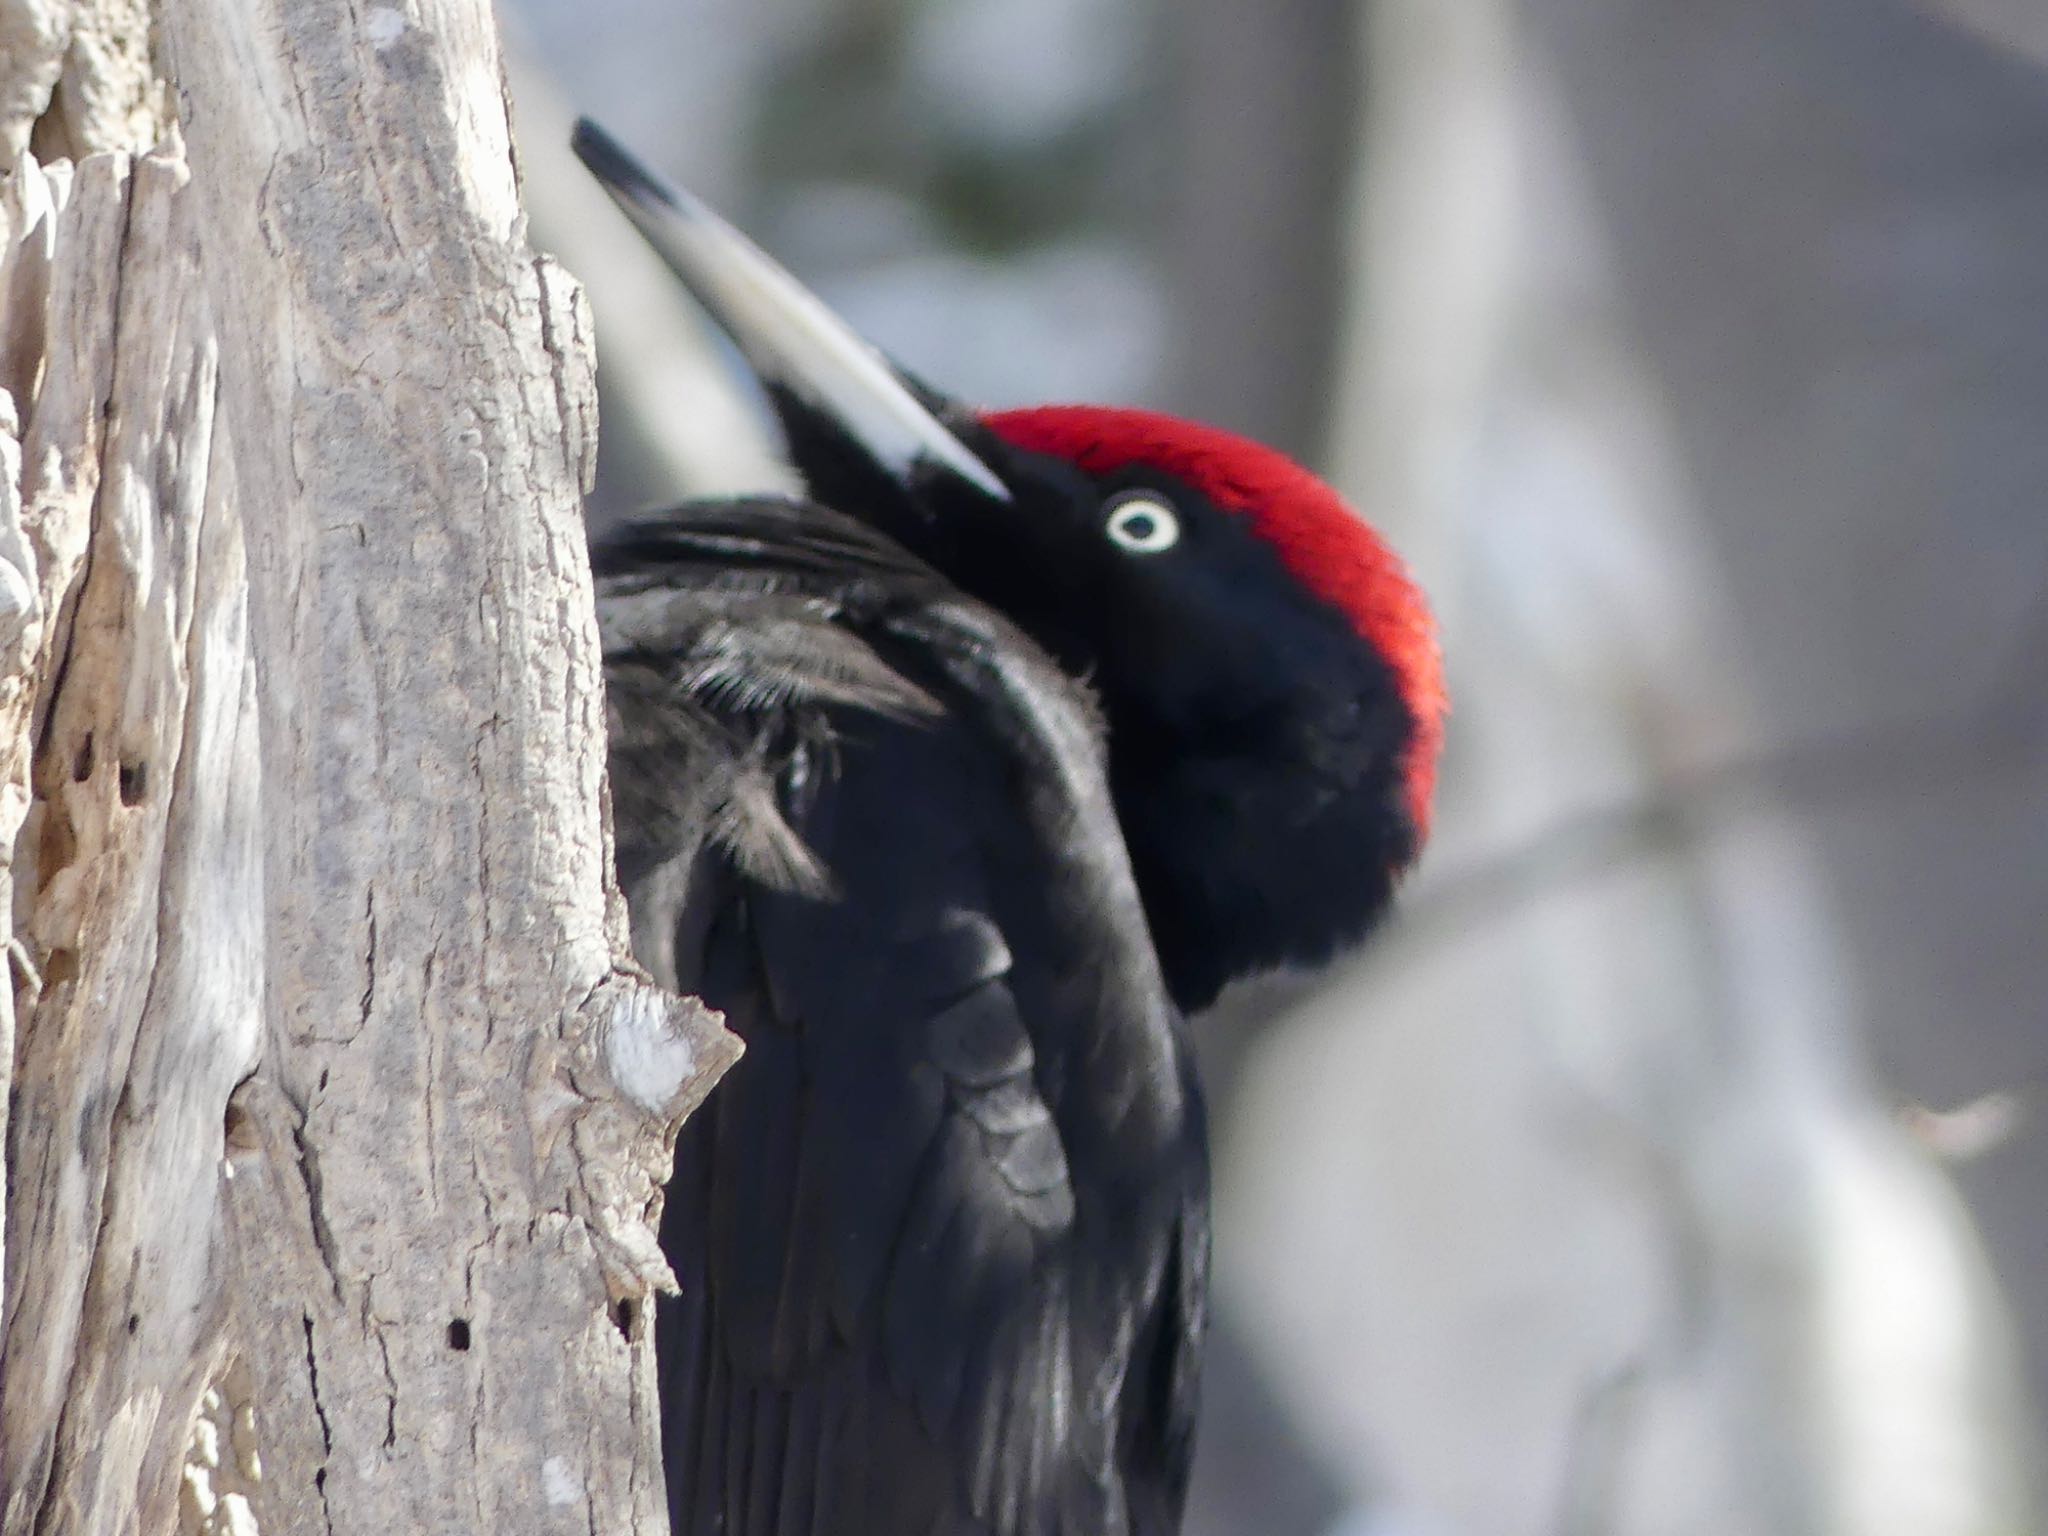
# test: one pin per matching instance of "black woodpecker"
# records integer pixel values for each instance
(956, 786)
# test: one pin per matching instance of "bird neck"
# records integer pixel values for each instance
(1270, 848)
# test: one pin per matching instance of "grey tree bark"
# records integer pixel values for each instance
(335, 1107)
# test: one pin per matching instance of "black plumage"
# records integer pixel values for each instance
(962, 1158)
(954, 788)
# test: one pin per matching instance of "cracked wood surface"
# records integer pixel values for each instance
(322, 1203)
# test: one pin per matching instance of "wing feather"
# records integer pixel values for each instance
(874, 1220)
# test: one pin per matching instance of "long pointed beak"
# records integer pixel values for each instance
(788, 335)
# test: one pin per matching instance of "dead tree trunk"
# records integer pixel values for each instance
(335, 1108)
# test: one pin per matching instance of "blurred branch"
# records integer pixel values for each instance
(1595, 1453)
(2005, 730)
(1261, 130)
(2018, 25)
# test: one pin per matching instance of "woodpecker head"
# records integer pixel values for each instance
(1267, 668)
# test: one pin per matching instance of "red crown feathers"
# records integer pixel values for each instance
(1332, 551)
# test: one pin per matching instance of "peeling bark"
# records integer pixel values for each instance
(335, 1111)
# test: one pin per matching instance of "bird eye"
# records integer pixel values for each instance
(1144, 525)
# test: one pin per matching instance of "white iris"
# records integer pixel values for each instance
(1144, 525)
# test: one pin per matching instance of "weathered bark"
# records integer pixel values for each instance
(335, 1105)
(139, 812)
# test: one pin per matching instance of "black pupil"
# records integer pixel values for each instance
(1140, 526)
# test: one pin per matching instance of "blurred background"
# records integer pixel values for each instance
(1675, 1162)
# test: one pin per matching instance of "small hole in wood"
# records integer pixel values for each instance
(81, 762)
(458, 1333)
(134, 782)
(622, 1318)
(235, 1130)
(58, 844)
(134, 1322)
